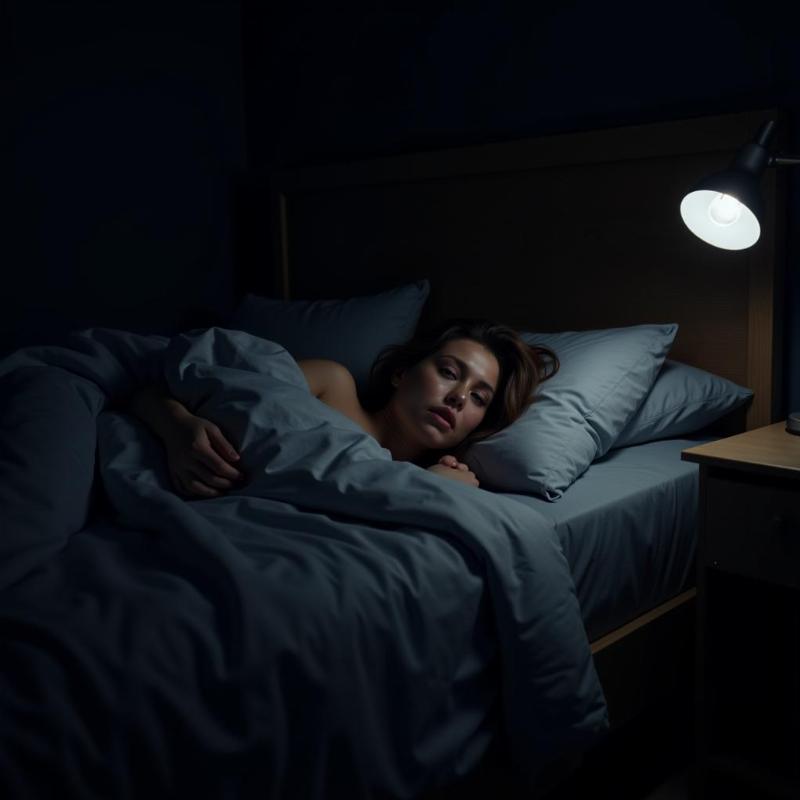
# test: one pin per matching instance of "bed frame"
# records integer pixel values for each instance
(573, 231)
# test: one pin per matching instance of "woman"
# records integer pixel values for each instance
(427, 401)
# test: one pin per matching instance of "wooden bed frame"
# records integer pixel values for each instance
(574, 231)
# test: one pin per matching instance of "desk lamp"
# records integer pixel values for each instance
(725, 209)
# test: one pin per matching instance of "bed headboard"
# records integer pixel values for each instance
(572, 231)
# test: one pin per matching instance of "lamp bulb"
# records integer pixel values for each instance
(724, 210)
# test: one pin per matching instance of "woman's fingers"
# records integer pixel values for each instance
(452, 461)
(200, 489)
(220, 444)
(198, 465)
(465, 476)
(206, 475)
(209, 458)
(191, 487)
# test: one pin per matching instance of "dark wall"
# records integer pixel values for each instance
(125, 135)
(326, 83)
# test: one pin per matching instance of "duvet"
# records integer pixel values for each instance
(342, 625)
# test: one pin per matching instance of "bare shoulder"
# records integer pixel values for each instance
(327, 379)
(332, 383)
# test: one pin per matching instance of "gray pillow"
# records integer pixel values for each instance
(351, 331)
(683, 400)
(578, 414)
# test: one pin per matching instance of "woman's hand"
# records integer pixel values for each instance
(451, 467)
(200, 458)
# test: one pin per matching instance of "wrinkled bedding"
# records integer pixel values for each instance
(341, 625)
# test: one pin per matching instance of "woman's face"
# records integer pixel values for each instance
(442, 399)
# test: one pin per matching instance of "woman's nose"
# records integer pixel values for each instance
(457, 398)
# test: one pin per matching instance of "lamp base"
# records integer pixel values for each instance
(793, 423)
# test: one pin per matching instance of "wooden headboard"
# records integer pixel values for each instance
(567, 232)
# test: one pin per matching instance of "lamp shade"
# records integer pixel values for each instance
(725, 209)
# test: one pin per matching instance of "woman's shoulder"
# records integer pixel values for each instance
(333, 383)
(327, 378)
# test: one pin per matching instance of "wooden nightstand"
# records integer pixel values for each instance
(748, 623)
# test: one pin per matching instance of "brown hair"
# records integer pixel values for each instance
(522, 368)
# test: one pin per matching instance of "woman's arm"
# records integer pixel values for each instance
(199, 456)
(160, 412)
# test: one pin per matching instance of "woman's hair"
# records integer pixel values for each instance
(522, 368)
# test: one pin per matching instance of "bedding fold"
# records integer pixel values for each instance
(341, 623)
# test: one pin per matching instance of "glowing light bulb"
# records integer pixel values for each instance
(724, 210)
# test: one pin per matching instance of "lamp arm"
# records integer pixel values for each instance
(783, 161)
(762, 140)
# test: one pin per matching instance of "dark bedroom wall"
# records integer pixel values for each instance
(124, 131)
(329, 83)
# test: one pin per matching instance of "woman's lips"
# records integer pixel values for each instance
(441, 422)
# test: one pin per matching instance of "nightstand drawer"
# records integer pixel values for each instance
(753, 528)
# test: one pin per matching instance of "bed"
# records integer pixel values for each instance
(500, 231)
(154, 646)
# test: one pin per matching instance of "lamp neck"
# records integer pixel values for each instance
(765, 133)
(762, 140)
(753, 158)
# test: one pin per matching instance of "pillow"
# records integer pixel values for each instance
(351, 331)
(683, 400)
(578, 414)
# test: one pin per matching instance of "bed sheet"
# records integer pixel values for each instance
(628, 529)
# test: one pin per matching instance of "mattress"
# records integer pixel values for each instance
(628, 528)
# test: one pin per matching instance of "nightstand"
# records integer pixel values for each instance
(747, 725)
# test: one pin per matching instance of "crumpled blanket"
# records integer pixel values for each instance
(342, 625)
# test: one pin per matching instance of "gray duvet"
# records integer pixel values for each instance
(343, 625)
